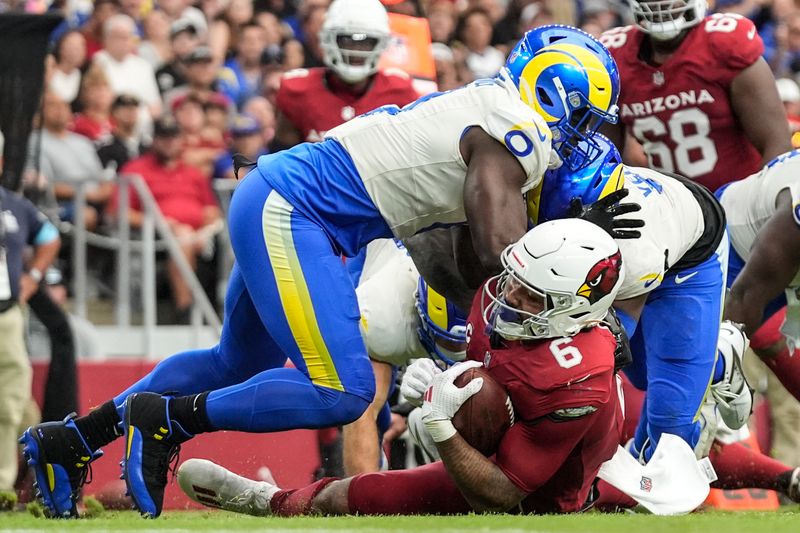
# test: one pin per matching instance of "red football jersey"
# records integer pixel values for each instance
(304, 98)
(555, 461)
(543, 376)
(681, 111)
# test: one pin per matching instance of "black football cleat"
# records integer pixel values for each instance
(152, 443)
(60, 459)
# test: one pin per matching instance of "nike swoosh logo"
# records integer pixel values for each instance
(650, 282)
(751, 34)
(679, 279)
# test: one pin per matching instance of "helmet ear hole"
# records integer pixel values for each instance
(543, 96)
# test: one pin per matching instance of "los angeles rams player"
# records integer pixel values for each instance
(671, 300)
(763, 219)
(402, 318)
(463, 156)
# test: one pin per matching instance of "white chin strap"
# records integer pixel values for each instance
(353, 73)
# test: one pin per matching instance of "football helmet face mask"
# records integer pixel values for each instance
(551, 199)
(561, 277)
(442, 326)
(353, 36)
(664, 20)
(572, 86)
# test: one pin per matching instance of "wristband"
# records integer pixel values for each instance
(35, 274)
(440, 430)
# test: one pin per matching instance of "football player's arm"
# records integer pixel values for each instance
(774, 262)
(481, 482)
(758, 108)
(432, 253)
(286, 134)
(469, 264)
(492, 197)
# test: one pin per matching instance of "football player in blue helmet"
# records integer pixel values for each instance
(557, 195)
(573, 84)
(442, 326)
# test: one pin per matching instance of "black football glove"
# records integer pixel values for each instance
(605, 213)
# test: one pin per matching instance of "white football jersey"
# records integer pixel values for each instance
(385, 292)
(409, 159)
(750, 203)
(673, 223)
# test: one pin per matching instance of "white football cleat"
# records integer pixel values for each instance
(732, 393)
(215, 486)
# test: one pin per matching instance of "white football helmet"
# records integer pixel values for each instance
(569, 268)
(664, 20)
(353, 37)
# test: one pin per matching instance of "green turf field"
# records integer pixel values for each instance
(709, 522)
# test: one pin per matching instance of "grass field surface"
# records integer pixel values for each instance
(708, 522)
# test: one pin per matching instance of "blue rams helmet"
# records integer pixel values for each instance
(551, 199)
(442, 326)
(573, 84)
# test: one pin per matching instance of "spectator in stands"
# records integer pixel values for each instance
(263, 111)
(789, 92)
(201, 76)
(200, 146)
(217, 110)
(93, 29)
(94, 121)
(184, 197)
(475, 32)
(786, 60)
(156, 47)
(442, 20)
(293, 55)
(225, 29)
(447, 73)
(123, 145)
(68, 159)
(21, 226)
(534, 15)
(312, 17)
(597, 16)
(184, 39)
(274, 32)
(241, 78)
(70, 56)
(183, 9)
(247, 139)
(127, 72)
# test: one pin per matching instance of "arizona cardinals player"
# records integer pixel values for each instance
(312, 101)
(696, 92)
(543, 337)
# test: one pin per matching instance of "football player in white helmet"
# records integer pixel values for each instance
(664, 20)
(314, 100)
(353, 37)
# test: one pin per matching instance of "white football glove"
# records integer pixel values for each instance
(443, 399)
(417, 379)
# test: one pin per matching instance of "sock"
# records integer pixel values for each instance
(611, 499)
(99, 427)
(740, 467)
(190, 412)
(296, 502)
(719, 370)
(787, 369)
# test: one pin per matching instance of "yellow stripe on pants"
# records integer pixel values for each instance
(293, 291)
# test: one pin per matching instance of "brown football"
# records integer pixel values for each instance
(486, 416)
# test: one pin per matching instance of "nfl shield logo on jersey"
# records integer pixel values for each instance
(658, 78)
(348, 113)
(646, 484)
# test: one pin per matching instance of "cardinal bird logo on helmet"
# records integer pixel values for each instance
(602, 278)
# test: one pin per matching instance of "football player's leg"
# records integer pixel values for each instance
(306, 301)
(740, 467)
(680, 325)
(770, 345)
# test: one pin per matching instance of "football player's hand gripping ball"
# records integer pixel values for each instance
(443, 398)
